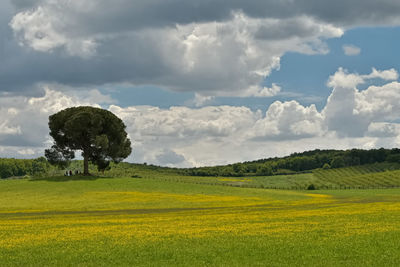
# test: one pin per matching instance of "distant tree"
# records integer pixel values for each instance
(393, 158)
(39, 165)
(311, 187)
(326, 166)
(239, 169)
(337, 162)
(98, 133)
(264, 169)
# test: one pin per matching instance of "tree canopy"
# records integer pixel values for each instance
(98, 133)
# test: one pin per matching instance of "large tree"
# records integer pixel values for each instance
(98, 133)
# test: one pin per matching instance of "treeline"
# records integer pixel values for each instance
(299, 162)
(10, 167)
(295, 163)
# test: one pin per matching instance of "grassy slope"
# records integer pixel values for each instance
(382, 175)
(378, 175)
(126, 221)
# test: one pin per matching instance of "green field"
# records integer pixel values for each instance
(161, 222)
(369, 176)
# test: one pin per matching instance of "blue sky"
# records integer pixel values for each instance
(204, 82)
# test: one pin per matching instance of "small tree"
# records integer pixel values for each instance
(98, 133)
(311, 187)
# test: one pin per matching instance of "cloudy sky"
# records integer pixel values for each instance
(201, 82)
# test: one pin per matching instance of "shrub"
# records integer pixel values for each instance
(311, 187)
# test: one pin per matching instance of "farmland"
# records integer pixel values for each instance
(368, 176)
(166, 221)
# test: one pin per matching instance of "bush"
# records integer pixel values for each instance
(311, 187)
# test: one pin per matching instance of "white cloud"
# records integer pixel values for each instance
(211, 48)
(185, 123)
(26, 124)
(268, 91)
(229, 57)
(26, 152)
(379, 102)
(342, 78)
(351, 50)
(288, 120)
(44, 31)
(5, 129)
(383, 129)
(200, 100)
(350, 111)
(37, 30)
(387, 75)
(182, 136)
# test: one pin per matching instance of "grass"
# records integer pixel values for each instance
(150, 222)
(377, 175)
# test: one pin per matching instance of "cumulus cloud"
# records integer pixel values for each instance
(267, 91)
(184, 137)
(200, 100)
(7, 130)
(288, 120)
(210, 48)
(342, 78)
(184, 123)
(229, 55)
(387, 75)
(378, 102)
(350, 111)
(383, 129)
(351, 50)
(42, 31)
(27, 117)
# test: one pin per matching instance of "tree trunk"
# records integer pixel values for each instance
(85, 163)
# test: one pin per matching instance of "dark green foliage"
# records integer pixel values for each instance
(264, 170)
(98, 133)
(393, 158)
(299, 163)
(338, 162)
(59, 157)
(311, 187)
(21, 167)
(103, 165)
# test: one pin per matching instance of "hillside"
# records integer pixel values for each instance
(318, 169)
(300, 162)
(368, 176)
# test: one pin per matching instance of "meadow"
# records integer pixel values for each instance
(369, 176)
(78, 221)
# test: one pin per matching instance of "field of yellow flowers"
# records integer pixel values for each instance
(127, 221)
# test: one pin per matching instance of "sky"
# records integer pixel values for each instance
(201, 82)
